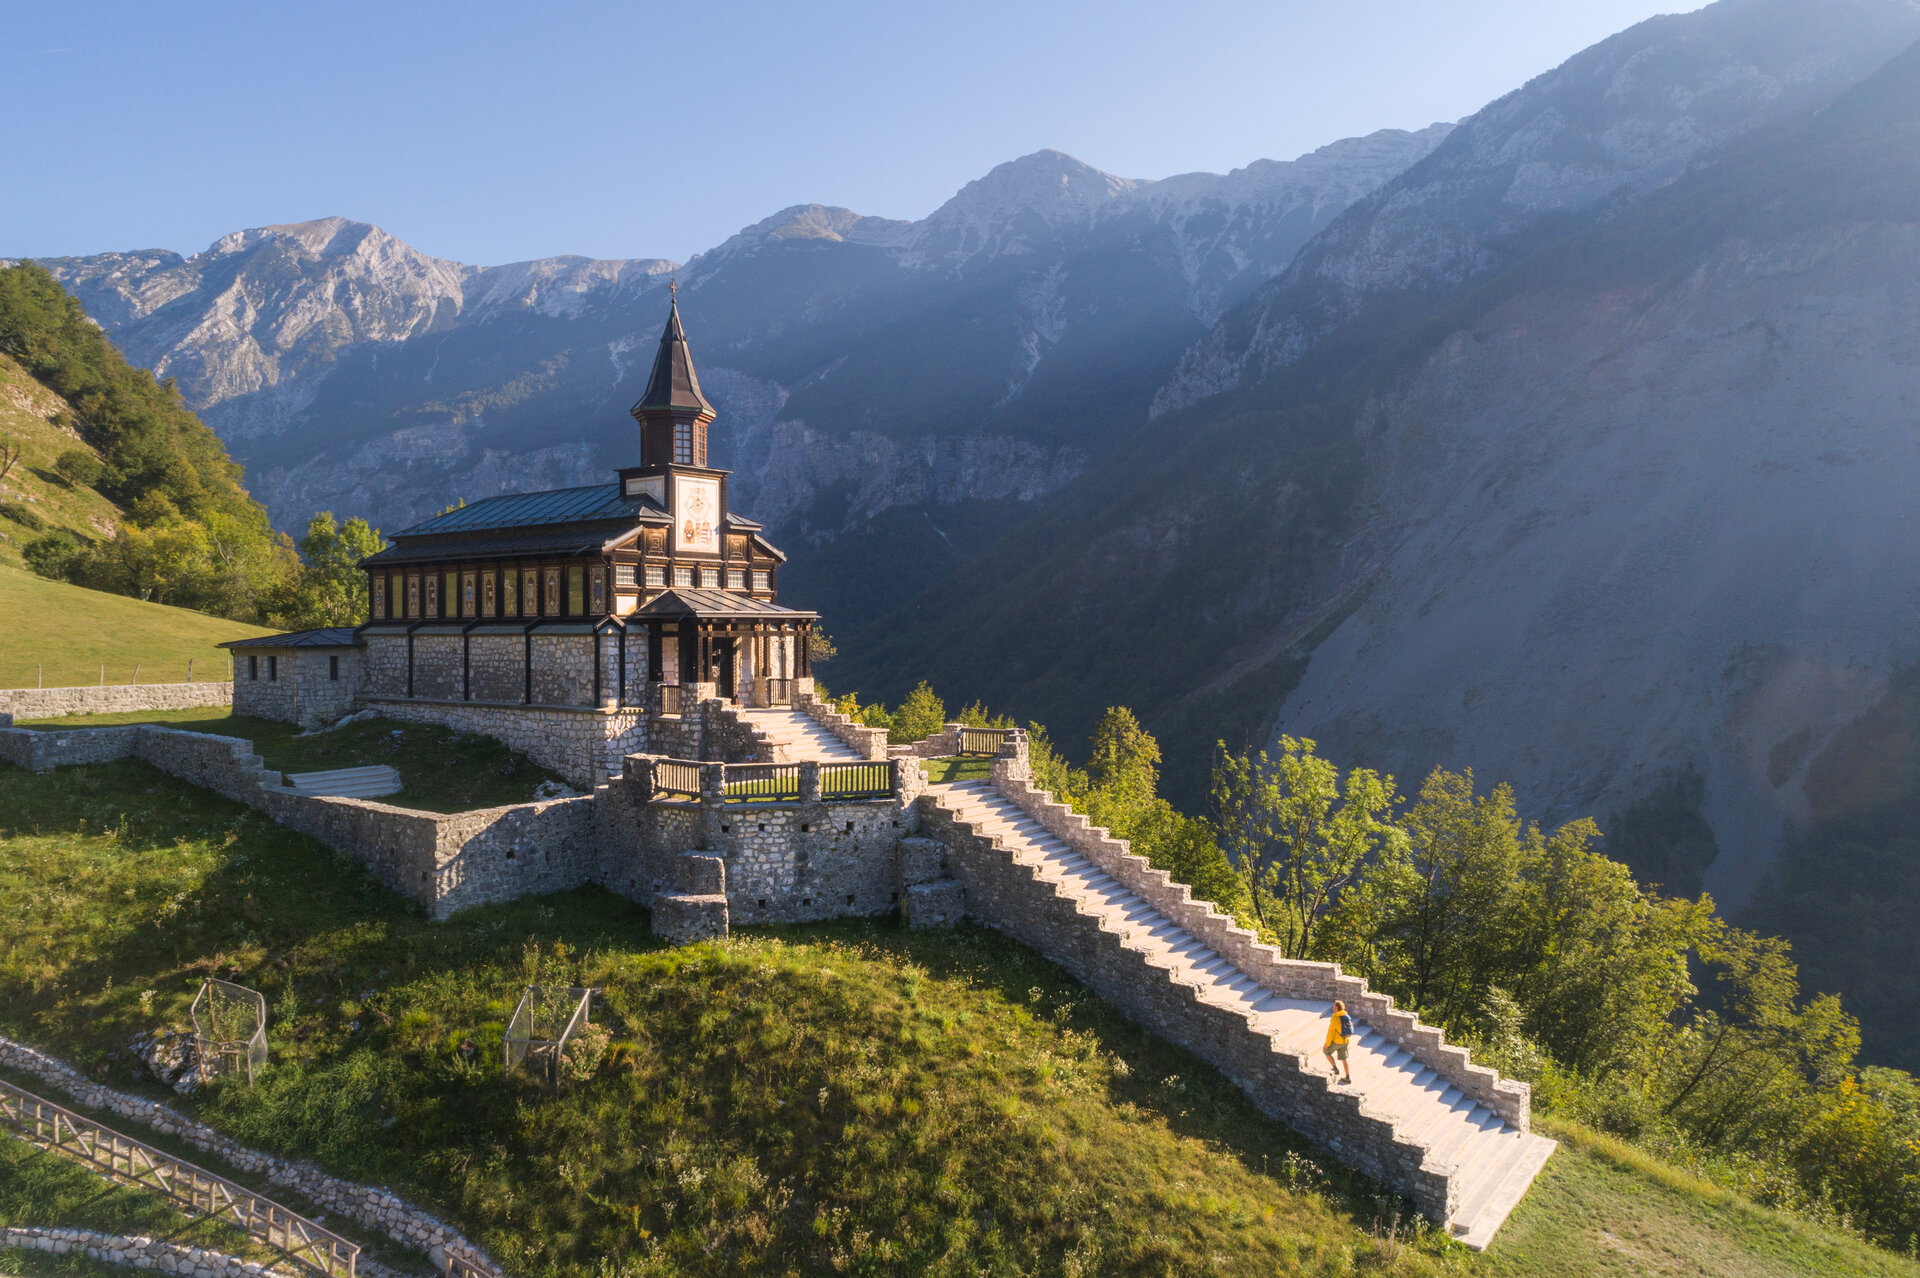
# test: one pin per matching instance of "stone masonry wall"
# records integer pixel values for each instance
(119, 698)
(437, 666)
(785, 862)
(499, 662)
(582, 745)
(386, 671)
(263, 683)
(321, 698)
(134, 1251)
(369, 1205)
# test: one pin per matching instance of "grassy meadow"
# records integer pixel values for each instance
(65, 633)
(839, 1098)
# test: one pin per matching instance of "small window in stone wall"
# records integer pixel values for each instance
(253, 667)
(552, 606)
(762, 580)
(273, 668)
(530, 593)
(469, 603)
(380, 596)
(576, 592)
(656, 574)
(622, 575)
(489, 602)
(509, 594)
(598, 582)
(413, 596)
(333, 667)
(682, 576)
(433, 594)
(736, 579)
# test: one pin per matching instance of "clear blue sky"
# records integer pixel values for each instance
(493, 132)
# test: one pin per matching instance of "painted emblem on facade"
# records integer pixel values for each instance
(696, 519)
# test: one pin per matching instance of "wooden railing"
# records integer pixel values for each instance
(856, 780)
(763, 782)
(128, 1161)
(982, 740)
(673, 779)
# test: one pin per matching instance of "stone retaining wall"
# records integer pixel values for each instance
(371, 1206)
(789, 862)
(121, 698)
(139, 1252)
(582, 744)
(1289, 978)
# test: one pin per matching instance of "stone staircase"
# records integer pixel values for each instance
(1402, 1120)
(793, 736)
(348, 783)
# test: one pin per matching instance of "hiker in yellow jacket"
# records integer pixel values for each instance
(1339, 1033)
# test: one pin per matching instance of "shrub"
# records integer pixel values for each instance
(53, 555)
(920, 716)
(78, 467)
(21, 513)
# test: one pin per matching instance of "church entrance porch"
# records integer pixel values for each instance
(748, 649)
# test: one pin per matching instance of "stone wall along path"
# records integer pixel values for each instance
(141, 1253)
(113, 698)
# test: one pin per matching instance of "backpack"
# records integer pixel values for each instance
(1346, 1027)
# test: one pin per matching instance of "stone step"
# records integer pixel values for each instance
(1489, 1163)
(348, 783)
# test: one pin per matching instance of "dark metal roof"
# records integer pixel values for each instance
(324, 637)
(567, 541)
(715, 605)
(527, 510)
(673, 383)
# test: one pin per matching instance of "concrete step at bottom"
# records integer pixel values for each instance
(353, 783)
(1477, 1229)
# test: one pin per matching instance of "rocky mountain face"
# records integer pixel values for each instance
(1585, 473)
(977, 358)
(1616, 121)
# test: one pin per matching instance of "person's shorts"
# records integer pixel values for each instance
(1338, 1051)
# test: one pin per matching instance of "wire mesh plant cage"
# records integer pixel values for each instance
(547, 1019)
(229, 1029)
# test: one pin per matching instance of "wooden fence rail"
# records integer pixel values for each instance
(128, 1161)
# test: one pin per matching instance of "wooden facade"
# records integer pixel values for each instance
(605, 554)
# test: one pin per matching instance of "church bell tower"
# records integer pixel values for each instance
(672, 413)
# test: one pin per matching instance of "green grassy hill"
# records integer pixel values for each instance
(34, 500)
(849, 1098)
(67, 632)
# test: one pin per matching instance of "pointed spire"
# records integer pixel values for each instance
(673, 384)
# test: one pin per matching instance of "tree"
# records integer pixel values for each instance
(52, 555)
(1599, 965)
(920, 716)
(1298, 836)
(330, 589)
(1447, 921)
(78, 468)
(820, 647)
(10, 452)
